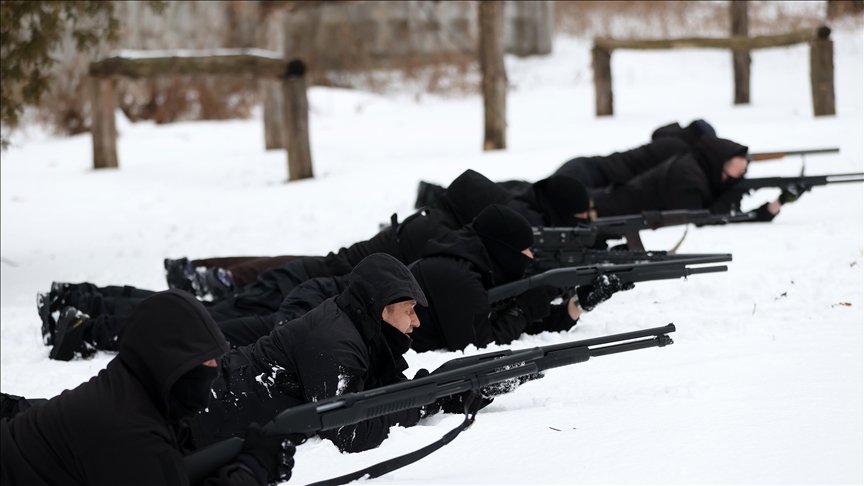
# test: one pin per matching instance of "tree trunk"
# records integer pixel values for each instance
(601, 60)
(103, 130)
(296, 120)
(740, 58)
(494, 76)
(822, 76)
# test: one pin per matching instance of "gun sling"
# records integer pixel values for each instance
(472, 405)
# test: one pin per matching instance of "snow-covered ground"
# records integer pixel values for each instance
(763, 384)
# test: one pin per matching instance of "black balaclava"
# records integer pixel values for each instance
(505, 234)
(563, 196)
(712, 154)
(191, 393)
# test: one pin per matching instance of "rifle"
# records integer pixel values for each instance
(615, 227)
(759, 157)
(803, 182)
(795, 185)
(571, 247)
(568, 278)
(454, 377)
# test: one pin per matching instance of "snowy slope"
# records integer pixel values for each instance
(763, 384)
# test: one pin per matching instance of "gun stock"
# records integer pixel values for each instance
(759, 157)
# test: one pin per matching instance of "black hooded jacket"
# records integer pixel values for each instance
(690, 181)
(455, 274)
(620, 167)
(341, 346)
(533, 202)
(115, 429)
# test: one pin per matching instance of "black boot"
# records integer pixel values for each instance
(179, 274)
(49, 325)
(69, 338)
(428, 194)
(213, 283)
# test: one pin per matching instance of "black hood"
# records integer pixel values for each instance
(559, 198)
(167, 335)
(712, 153)
(466, 244)
(471, 193)
(691, 135)
(375, 282)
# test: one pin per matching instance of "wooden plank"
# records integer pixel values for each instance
(822, 77)
(737, 43)
(249, 65)
(491, 19)
(601, 61)
(740, 59)
(296, 122)
(102, 127)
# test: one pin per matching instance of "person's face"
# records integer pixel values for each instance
(401, 315)
(211, 363)
(735, 168)
(527, 252)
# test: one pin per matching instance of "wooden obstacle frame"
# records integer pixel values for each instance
(821, 61)
(249, 63)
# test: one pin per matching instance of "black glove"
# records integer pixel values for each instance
(792, 192)
(449, 404)
(763, 215)
(270, 457)
(535, 303)
(600, 290)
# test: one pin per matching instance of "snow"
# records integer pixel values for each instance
(762, 385)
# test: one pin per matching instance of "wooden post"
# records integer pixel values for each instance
(274, 130)
(740, 58)
(296, 121)
(102, 125)
(601, 60)
(822, 76)
(494, 75)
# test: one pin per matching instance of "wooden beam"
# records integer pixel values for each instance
(296, 122)
(822, 77)
(740, 59)
(491, 53)
(102, 128)
(232, 62)
(736, 43)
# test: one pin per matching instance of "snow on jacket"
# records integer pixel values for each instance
(115, 428)
(341, 346)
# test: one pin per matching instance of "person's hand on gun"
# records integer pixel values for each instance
(269, 457)
(601, 289)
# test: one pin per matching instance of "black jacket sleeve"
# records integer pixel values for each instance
(558, 320)
(326, 370)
